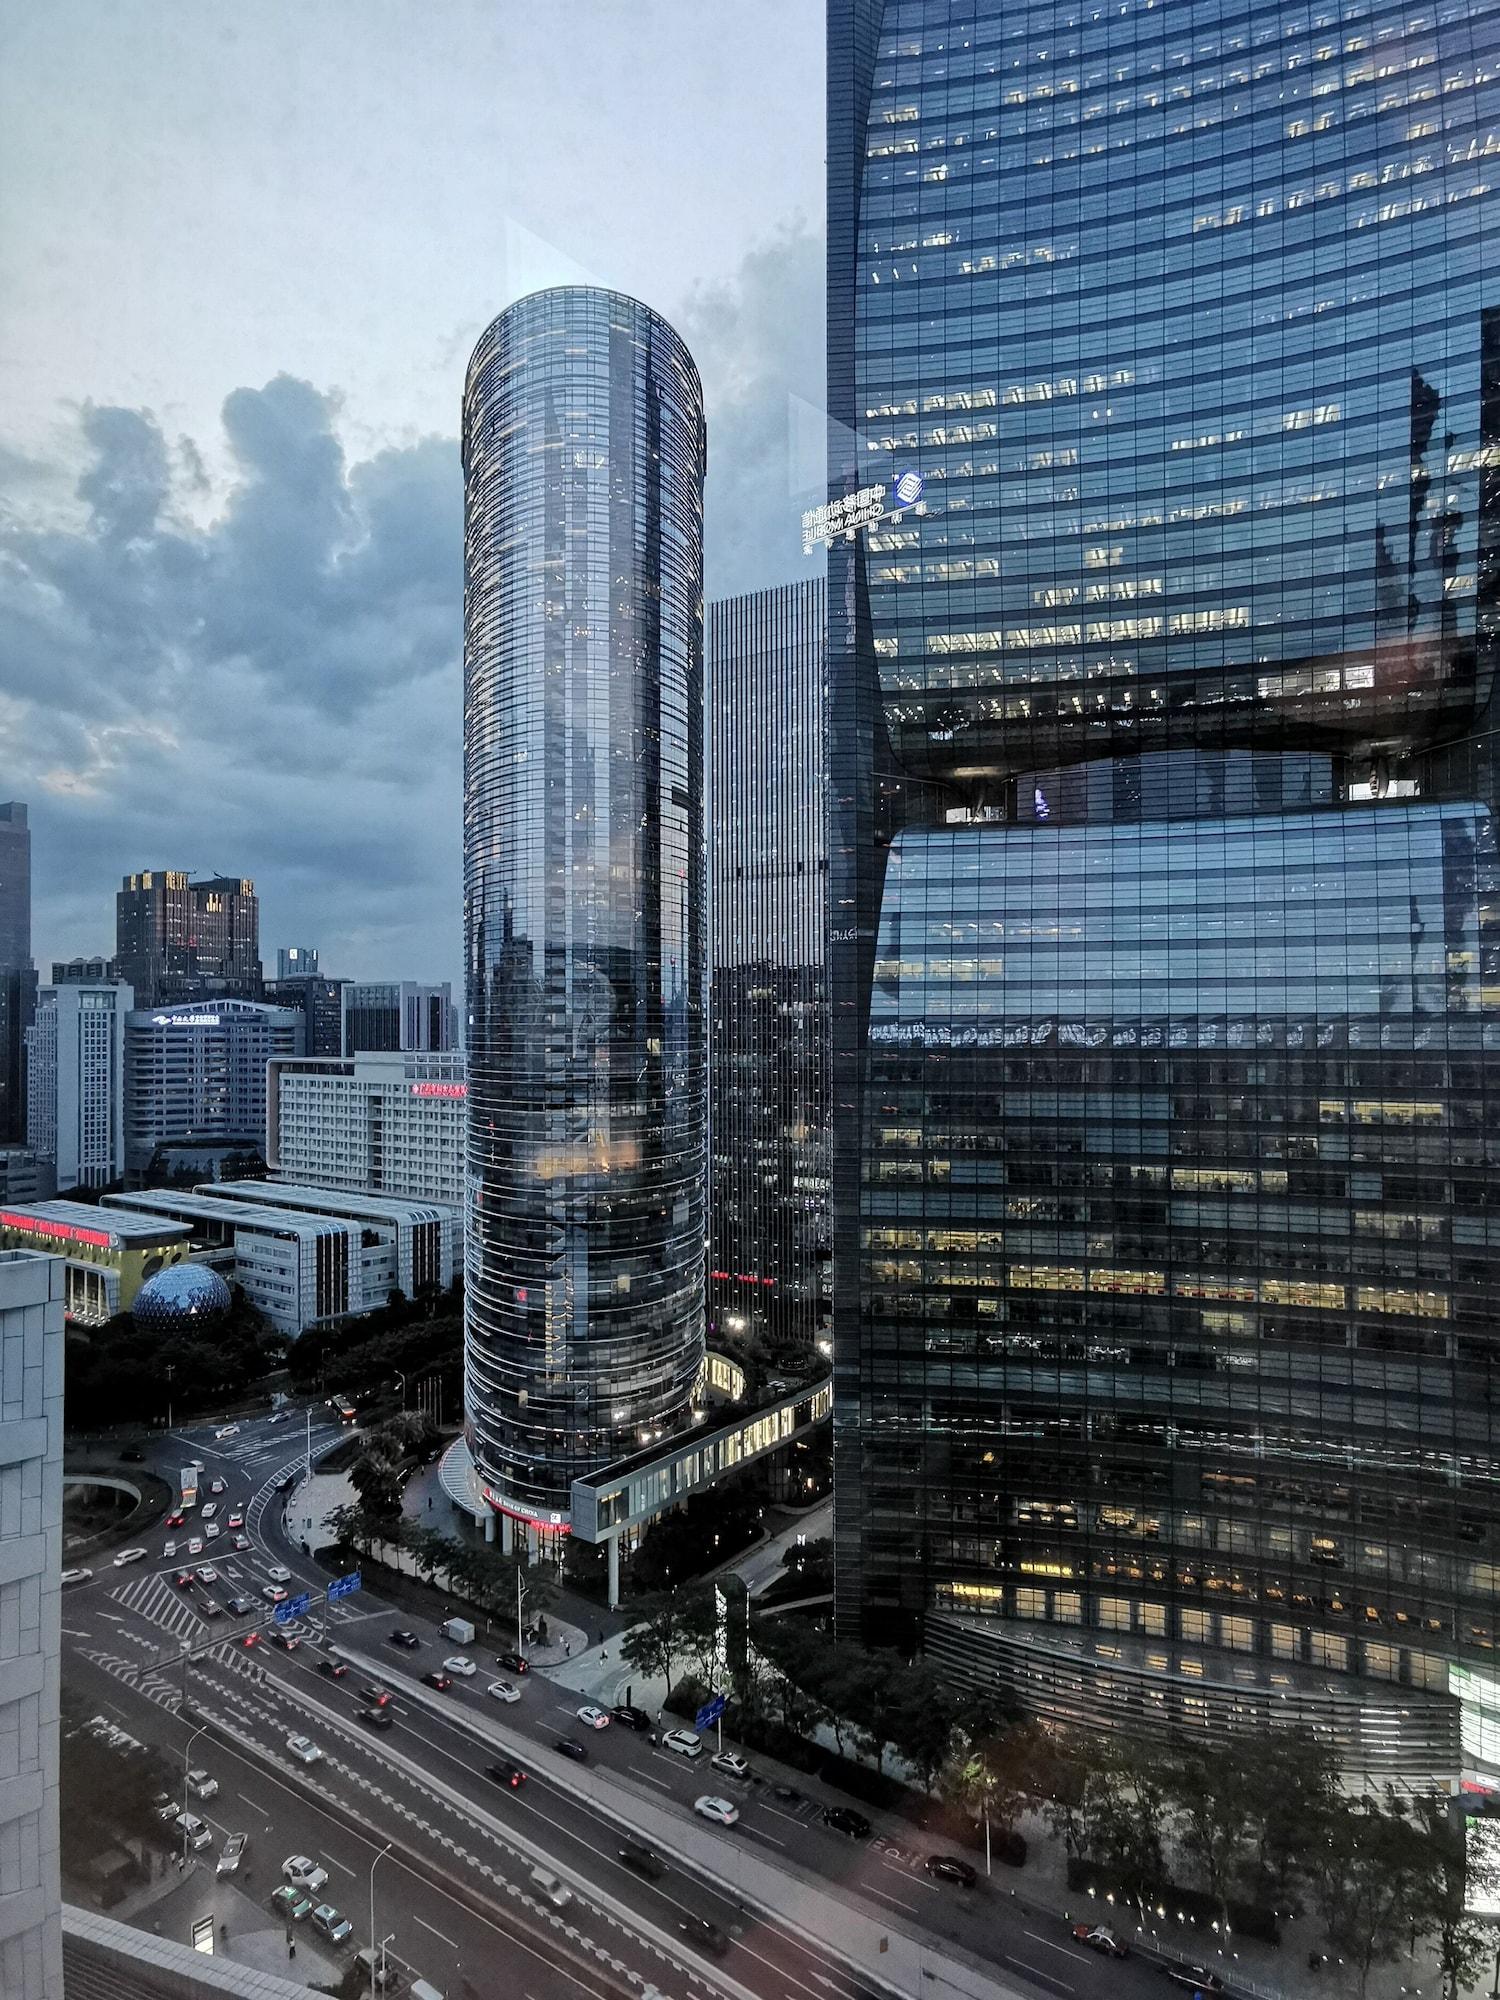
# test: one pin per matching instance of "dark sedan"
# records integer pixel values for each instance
(643, 1860)
(513, 1663)
(949, 1868)
(569, 1746)
(442, 1682)
(707, 1936)
(407, 1639)
(630, 1718)
(376, 1718)
(845, 1820)
(334, 1669)
(507, 1774)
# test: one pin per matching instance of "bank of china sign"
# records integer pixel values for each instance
(845, 517)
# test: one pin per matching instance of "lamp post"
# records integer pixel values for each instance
(520, 1593)
(373, 1947)
(171, 1370)
(400, 1377)
(187, 1757)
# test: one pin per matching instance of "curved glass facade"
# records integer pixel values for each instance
(584, 457)
(1166, 939)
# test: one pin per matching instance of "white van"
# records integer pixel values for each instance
(420, 1990)
(459, 1630)
(558, 1894)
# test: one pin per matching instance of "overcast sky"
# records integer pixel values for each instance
(244, 253)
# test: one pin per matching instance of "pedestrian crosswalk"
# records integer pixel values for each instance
(153, 1598)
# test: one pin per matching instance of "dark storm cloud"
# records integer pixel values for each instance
(275, 690)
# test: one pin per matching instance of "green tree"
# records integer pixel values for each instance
(1212, 1798)
(920, 1721)
(1367, 1869)
(1289, 1780)
(652, 1645)
(1462, 1944)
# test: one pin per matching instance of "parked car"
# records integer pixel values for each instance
(165, 1806)
(504, 1690)
(630, 1718)
(303, 1749)
(507, 1774)
(193, 1830)
(442, 1682)
(232, 1853)
(376, 1718)
(845, 1820)
(949, 1868)
(334, 1669)
(129, 1556)
(513, 1663)
(334, 1926)
(643, 1860)
(456, 1663)
(569, 1746)
(721, 1811)
(201, 1785)
(408, 1640)
(290, 1904)
(304, 1873)
(706, 1936)
(731, 1762)
(686, 1742)
(593, 1718)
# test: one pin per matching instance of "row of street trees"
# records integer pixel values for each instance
(477, 1572)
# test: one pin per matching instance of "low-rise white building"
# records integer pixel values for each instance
(384, 1123)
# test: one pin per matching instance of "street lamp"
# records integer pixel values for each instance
(402, 1380)
(373, 1947)
(187, 1757)
(171, 1370)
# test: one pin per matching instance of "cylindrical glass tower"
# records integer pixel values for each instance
(584, 456)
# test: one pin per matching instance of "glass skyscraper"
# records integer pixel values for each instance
(584, 457)
(1164, 886)
(768, 1042)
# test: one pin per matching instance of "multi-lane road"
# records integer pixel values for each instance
(457, 1887)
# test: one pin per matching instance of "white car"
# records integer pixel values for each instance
(279, 1575)
(213, 1531)
(595, 1718)
(731, 1762)
(76, 1575)
(464, 1669)
(304, 1749)
(686, 1742)
(226, 1431)
(207, 1573)
(209, 1511)
(168, 1550)
(192, 1827)
(201, 1785)
(232, 1853)
(504, 1690)
(304, 1873)
(129, 1556)
(217, 1485)
(273, 1593)
(719, 1810)
(195, 1546)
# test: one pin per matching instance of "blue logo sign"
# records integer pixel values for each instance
(293, 1608)
(710, 1712)
(907, 489)
(342, 1585)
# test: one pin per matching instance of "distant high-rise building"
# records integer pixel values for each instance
(584, 456)
(75, 1096)
(17, 974)
(321, 1002)
(387, 1123)
(182, 940)
(31, 1549)
(401, 1016)
(195, 1075)
(297, 961)
(768, 1036)
(91, 971)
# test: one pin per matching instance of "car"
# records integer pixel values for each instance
(513, 1663)
(569, 1746)
(129, 1556)
(593, 1718)
(201, 1785)
(504, 1690)
(195, 1546)
(278, 1417)
(706, 1936)
(168, 1550)
(334, 1670)
(207, 1573)
(215, 1486)
(334, 1926)
(210, 1509)
(788, 1794)
(1196, 1976)
(240, 1544)
(232, 1853)
(457, 1664)
(208, 1609)
(950, 1868)
(173, 1521)
(235, 1521)
(290, 1904)
(226, 1431)
(442, 1682)
(1100, 1938)
(374, 1692)
(165, 1806)
(407, 1639)
(273, 1593)
(730, 1761)
(286, 1483)
(507, 1774)
(193, 1831)
(376, 1718)
(241, 1606)
(556, 1891)
(184, 1579)
(287, 1641)
(253, 1639)
(630, 1718)
(686, 1742)
(303, 1749)
(642, 1860)
(845, 1820)
(721, 1811)
(212, 1531)
(278, 1574)
(304, 1873)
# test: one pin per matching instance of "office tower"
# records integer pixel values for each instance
(1163, 860)
(401, 1015)
(31, 1551)
(179, 940)
(768, 955)
(297, 961)
(584, 457)
(389, 1123)
(75, 1078)
(195, 1077)
(17, 976)
(321, 1002)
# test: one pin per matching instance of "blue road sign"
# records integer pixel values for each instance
(342, 1585)
(710, 1712)
(293, 1608)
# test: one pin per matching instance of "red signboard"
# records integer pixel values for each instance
(440, 1090)
(65, 1232)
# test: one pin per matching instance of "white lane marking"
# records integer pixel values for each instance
(435, 1931)
(900, 1901)
(1050, 1977)
(72, 1632)
(1052, 1945)
(341, 1864)
(761, 1834)
(650, 1776)
(254, 1804)
(790, 1818)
